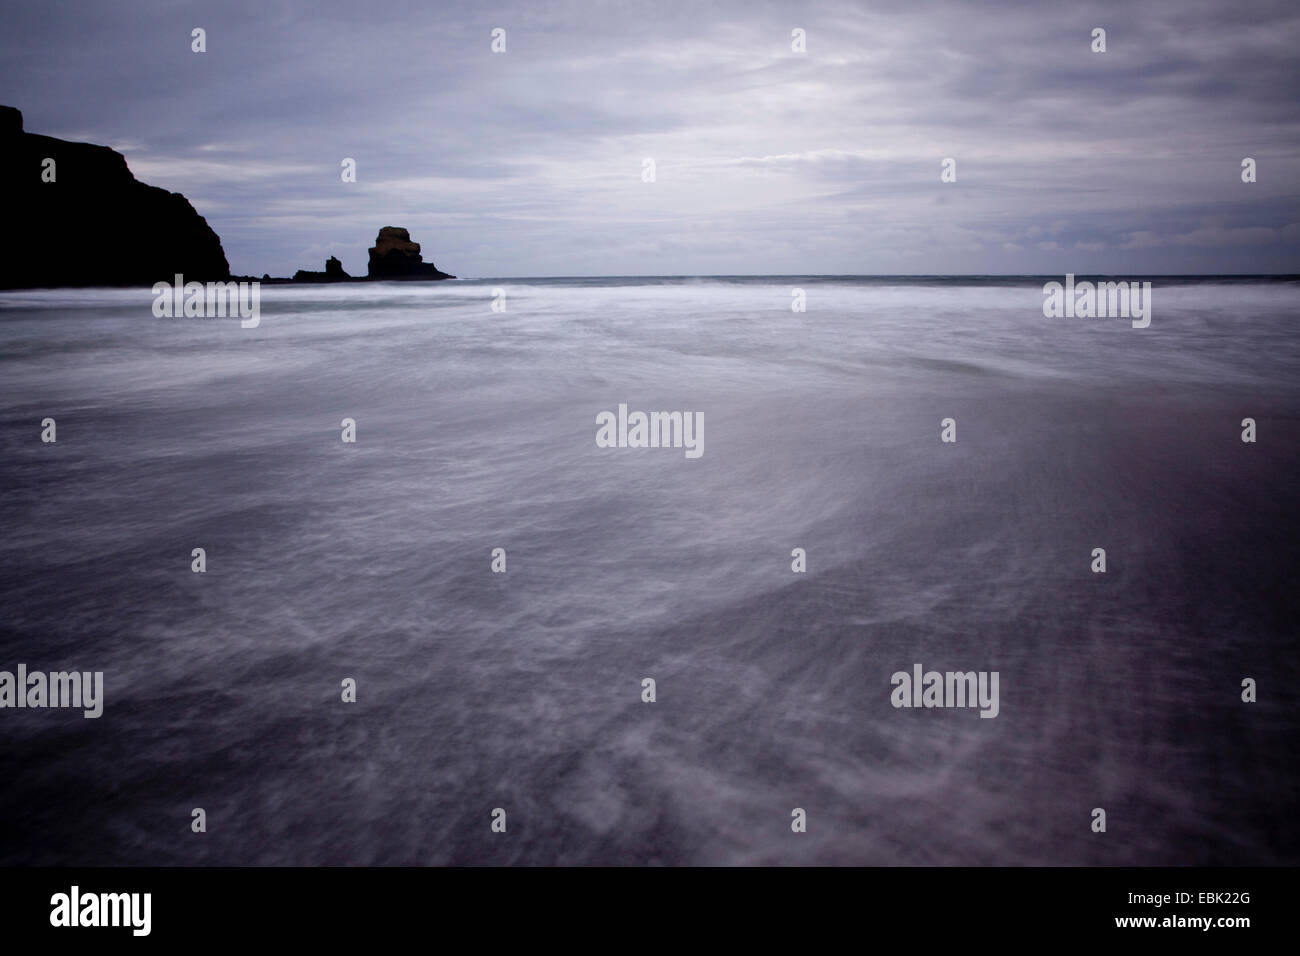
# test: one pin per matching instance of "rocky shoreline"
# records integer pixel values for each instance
(61, 193)
(393, 256)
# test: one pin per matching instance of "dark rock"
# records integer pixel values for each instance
(333, 273)
(95, 224)
(11, 121)
(395, 256)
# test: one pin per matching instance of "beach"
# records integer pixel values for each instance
(522, 690)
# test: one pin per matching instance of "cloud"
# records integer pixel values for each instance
(768, 160)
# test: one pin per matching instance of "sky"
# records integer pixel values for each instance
(767, 161)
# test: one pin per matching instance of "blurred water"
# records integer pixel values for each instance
(477, 429)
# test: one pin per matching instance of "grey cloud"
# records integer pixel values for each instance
(768, 161)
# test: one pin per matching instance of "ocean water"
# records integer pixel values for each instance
(522, 691)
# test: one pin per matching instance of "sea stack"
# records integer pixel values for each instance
(74, 215)
(395, 256)
(333, 273)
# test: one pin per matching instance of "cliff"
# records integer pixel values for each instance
(94, 223)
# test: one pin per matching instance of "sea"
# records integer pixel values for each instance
(475, 635)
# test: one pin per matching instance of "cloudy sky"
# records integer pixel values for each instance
(767, 161)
